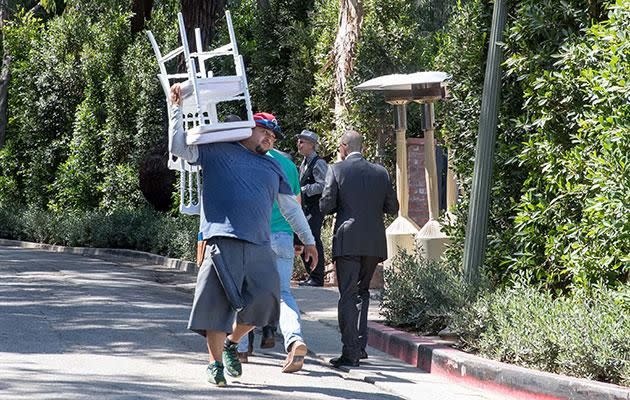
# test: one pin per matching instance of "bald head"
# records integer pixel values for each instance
(352, 140)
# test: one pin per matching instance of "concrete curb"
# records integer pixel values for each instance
(436, 357)
(173, 263)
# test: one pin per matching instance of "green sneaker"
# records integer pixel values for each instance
(230, 359)
(215, 374)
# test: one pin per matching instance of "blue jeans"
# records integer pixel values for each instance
(282, 245)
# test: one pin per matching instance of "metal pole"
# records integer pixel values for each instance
(477, 226)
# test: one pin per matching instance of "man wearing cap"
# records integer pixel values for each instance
(240, 185)
(283, 247)
(312, 177)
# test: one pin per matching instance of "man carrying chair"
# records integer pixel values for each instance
(238, 279)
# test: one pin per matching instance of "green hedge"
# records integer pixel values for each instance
(572, 223)
(559, 204)
(584, 336)
(420, 295)
(85, 106)
(141, 229)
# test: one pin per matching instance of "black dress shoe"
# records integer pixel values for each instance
(312, 283)
(268, 341)
(363, 355)
(343, 361)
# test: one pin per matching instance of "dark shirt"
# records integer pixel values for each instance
(239, 189)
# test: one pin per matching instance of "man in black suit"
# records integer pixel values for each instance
(360, 192)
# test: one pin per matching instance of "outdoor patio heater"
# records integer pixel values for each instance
(399, 90)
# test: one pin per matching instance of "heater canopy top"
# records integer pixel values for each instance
(400, 82)
(421, 87)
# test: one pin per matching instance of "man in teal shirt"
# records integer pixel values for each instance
(282, 246)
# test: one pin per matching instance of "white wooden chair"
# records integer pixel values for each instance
(201, 92)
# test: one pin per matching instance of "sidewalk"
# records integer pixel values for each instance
(319, 308)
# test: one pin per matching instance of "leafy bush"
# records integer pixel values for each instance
(573, 221)
(11, 223)
(120, 189)
(559, 198)
(583, 336)
(85, 106)
(422, 295)
(73, 187)
(135, 229)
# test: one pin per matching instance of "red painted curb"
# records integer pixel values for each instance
(437, 357)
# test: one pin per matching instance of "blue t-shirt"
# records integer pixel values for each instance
(238, 191)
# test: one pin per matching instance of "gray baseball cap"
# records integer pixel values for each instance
(308, 135)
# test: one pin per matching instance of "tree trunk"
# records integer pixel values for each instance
(141, 13)
(202, 14)
(350, 19)
(263, 4)
(4, 75)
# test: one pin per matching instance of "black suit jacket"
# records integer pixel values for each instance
(360, 192)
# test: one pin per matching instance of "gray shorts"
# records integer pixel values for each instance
(253, 268)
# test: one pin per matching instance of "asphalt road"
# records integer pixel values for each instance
(74, 327)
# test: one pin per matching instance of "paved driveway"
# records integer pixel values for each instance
(74, 327)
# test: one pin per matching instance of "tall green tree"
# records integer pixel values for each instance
(7, 9)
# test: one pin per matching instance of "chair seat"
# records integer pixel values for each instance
(209, 134)
(214, 88)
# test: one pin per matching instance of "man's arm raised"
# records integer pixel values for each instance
(178, 144)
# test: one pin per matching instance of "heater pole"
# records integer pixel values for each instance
(477, 226)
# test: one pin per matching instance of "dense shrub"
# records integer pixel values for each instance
(573, 221)
(559, 196)
(136, 229)
(422, 295)
(84, 104)
(583, 336)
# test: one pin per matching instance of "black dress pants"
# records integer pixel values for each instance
(315, 223)
(354, 274)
